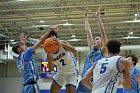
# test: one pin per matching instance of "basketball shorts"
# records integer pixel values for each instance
(68, 78)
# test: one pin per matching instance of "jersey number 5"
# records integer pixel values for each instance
(63, 62)
(103, 68)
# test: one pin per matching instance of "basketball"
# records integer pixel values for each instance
(51, 45)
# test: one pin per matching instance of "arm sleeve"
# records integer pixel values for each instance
(28, 54)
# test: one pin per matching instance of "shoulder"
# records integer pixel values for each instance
(123, 60)
(137, 69)
(29, 49)
(123, 63)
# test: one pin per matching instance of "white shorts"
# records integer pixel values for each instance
(68, 78)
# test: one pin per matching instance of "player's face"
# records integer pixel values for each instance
(130, 59)
(22, 48)
(97, 42)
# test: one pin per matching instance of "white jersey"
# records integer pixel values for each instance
(64, 60)
(106, 75)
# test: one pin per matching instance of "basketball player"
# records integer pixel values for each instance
(98, 48)
(106, 72)
(66, 64)
(135, 76)
(26, 64)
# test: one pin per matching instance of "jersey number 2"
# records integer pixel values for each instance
(63, 62)
(103, 68)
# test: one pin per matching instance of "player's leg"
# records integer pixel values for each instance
(70, 89)
(71, 82)
(58, 81)
(55, 87)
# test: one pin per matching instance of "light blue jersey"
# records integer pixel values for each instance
(93, 56)
(134, 84)
(27, 67)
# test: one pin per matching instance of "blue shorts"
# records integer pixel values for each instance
(82, 88)
(32, 88)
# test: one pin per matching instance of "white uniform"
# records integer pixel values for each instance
(67, 69)
(106, 75)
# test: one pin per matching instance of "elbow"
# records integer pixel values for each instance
(74, 51)
(127, 86)
(83, 80)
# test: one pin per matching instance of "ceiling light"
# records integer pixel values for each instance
(137, 14)
(73, 36)
(74, 39)
(12, 40)
(134, 21)
(41, 25)
(64, 20)
(130, 37)
(42, 21)
(67, 24)
(130, 33)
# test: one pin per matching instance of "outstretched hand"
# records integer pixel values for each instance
(86, 14)
(23, 37)
(98, 11)
(56, 27)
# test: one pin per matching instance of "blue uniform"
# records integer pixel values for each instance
(27, 67)
(134, 84)
(93, 56)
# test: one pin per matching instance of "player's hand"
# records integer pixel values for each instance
(86, 14)
(137, 78)
(98, 12)
(56, 27)
(57, 40)
(23, 37)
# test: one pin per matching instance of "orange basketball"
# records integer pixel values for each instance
(51, 45)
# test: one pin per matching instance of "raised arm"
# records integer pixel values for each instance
(67, 46)
(43, 38)
(103, 34)
(88, 30)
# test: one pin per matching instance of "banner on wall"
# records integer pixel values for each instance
(45, 72)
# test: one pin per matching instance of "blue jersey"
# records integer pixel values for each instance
(27, 66)
(134, 84)
(93, 56)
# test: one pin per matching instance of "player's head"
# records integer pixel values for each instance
(97, 43)
(53, 34)
(113, 47)
(19, 47)
(133, 59)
